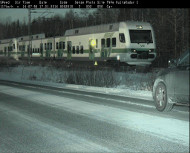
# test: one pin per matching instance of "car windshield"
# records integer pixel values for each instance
(140, 36)
(184, 59)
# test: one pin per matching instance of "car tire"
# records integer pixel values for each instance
(161, 98)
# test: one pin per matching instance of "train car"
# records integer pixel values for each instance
(18, 48)
(129, 42)
(8, 48)
(23, 46)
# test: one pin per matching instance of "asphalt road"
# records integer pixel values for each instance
(36, 119)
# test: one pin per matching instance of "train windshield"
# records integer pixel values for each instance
(140, 36)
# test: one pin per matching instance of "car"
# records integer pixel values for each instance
(171, 85)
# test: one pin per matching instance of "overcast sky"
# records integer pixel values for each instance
(21, 14)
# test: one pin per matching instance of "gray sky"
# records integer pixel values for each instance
(21, 14)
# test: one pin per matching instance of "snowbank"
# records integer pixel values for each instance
(129, 84)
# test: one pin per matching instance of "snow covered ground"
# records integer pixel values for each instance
(168, 129)
(129, 84)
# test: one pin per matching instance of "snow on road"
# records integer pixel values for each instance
(173, 130)
(50, 138)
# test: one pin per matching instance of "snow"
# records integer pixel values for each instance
(49, 77)
(54, 138)
(169, 129)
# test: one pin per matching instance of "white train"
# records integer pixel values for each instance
(130, 42)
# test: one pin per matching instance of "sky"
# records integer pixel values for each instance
(22, 14)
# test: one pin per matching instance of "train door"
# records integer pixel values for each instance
(41, 50)
(107, 45)
(60, 48)
(103, 48)
(5, 51)
(10, 48)
(69, 50)
(22, 51)
(48, 48)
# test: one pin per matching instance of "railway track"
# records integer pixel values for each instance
(76, 65)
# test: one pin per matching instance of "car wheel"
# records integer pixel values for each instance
(161, 98)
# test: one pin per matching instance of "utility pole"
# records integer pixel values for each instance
(29, 34)
(29, 30)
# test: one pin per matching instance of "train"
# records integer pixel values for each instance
(131, 42)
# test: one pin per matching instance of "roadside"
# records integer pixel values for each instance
(129, 83)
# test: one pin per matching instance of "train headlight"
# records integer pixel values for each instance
(139, 26)
(133, 50)
(150, 50)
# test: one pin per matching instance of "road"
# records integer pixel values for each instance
(37, 119)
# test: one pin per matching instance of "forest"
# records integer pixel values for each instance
(171, 26)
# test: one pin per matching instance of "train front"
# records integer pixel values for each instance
(140, 43)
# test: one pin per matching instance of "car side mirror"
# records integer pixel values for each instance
(172, 63)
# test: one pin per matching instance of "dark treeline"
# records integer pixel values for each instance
(171, 26)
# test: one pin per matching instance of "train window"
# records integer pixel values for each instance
(96, 43)
(45, 46)
(108, 42)
(140, 36)
(103, 42)
(23, 48)
(38, 50)
(13, 46)
(63, 45)
(50, 45)
(113, 42)
(57, 45)
(81, 49)
(33, 50)
(77, 49)
(73, 49)
(122, 37)
(76, 31)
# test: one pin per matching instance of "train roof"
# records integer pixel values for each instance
(102, 28)
(24, 38)
(4, 41)
(93, 29)
(35, 36)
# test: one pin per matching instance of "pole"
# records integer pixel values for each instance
(29, 34)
